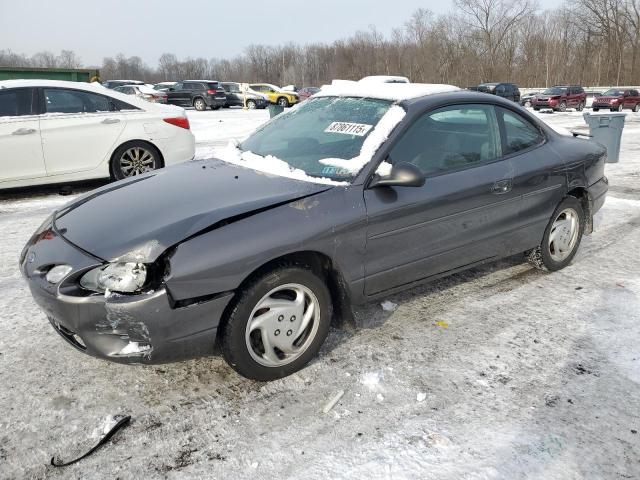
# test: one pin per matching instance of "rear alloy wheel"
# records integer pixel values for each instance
(134, 158)
(283, 102)
(251, 104)
(561, 237)
(636, 108)
(580, 107)
(277, 324)
(199, 104)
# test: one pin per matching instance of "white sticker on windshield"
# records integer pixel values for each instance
(346, 128)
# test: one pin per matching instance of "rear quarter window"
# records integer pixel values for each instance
(15, 103)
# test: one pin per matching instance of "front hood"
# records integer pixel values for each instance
(138, 219)
(547, 97)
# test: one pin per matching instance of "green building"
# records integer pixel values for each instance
(69, 74)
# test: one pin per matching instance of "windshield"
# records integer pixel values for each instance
(486, 87)
(614, 92)
(321, 128)
(555, 91)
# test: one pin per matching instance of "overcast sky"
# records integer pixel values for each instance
(195, 28)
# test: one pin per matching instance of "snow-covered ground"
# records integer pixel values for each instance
(499, 372)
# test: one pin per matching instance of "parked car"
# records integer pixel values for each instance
(111, 84)
(164, 86)
(561, 97)
(363, 196)
(591, 96)
(527, 98)
(306, 92)
(275, 94)
(510, 91)
(385, 79)
(144, 92)
(55, 131)
(199, 94)
(617, 99)
(236, 97)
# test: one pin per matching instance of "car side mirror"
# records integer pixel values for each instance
(403, 174)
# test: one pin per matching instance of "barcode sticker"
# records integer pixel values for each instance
(346, 128)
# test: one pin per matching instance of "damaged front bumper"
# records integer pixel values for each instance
(139, 328)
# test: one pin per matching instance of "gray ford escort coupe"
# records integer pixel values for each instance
(357, 193)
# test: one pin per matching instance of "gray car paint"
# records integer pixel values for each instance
(373, 241)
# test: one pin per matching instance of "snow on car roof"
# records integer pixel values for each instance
(383, 91)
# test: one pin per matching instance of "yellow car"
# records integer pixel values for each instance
(275, 94)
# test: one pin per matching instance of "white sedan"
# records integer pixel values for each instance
(54, 131)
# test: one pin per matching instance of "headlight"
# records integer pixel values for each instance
(57, 273)
(121, 277)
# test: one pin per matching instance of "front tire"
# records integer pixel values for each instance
(562, 107)
(283, 102)
(251, 104)
(595, 109)
(617, 109)
(134, 158)
(199, 104)
(277, 323)
(561, 237)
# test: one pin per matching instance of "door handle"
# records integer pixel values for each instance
(502, 186)
(24, 131)
(109, 121)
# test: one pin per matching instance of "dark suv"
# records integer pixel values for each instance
(561, 97)
(199, 94)
(510, 91)
(236, 97)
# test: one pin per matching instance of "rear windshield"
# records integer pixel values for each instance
(213, 84)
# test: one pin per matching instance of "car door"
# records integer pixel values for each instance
(461, 214)
(234, 96)
(176, 94)
(79, 129)
(539, 176)
(20, 145)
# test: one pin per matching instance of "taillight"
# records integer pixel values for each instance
(182, 122)
(212, 92)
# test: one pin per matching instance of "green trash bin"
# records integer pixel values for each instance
(275, 110)
(606, 129)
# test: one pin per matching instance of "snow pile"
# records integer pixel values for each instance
(132, 348)
(372, 143)
(384, 91)
(268, 164)
(389, 306)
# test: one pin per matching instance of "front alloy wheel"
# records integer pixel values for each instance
(277, 323)
(283, 102)
(199, 104)
(562, 107)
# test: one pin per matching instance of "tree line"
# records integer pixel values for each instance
(588, 42)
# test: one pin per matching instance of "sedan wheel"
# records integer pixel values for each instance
(277, 323)
(282, 325)
(135, 159)
(561, 238)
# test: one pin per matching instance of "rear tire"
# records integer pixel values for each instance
(580, 107)
(251, 104)
(617, 109)
(561, 237)
(595, 109)
(134, 158)
(265, 310)
(636, 108)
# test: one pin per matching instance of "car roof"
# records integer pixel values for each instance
(95, 86)
(383, 91)
(207, 81)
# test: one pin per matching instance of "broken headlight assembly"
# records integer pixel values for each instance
(120, 277)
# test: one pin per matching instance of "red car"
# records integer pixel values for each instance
(306, 92)
(561, 97)
(616, 99)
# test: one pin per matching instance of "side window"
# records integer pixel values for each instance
(15, 103)
(501, 89)
(450, 138)
(74, 101)
(519, 133)
(177, 87)
(198, 86)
